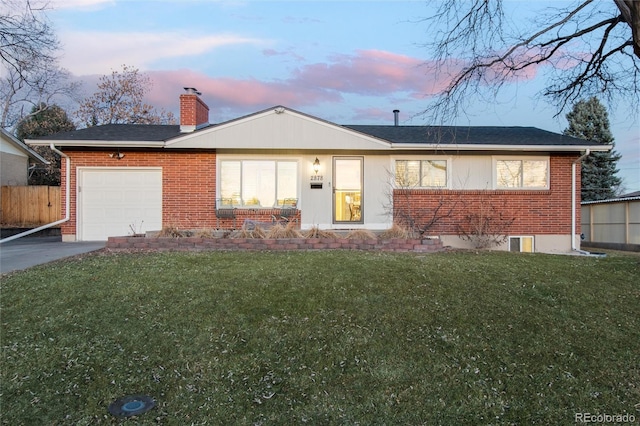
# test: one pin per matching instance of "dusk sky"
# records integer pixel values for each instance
(349, 62)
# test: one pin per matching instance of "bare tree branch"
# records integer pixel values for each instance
(584, 50)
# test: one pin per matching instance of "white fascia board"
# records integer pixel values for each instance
(481, 147)
(99, 144)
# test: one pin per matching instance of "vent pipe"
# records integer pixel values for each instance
(395, 116)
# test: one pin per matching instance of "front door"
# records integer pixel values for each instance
(347, 190)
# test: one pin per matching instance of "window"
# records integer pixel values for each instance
(515, 173)
(521, 244)
(258, 183)
(421, 173)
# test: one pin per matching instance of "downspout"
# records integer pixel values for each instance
(573, 202)
(67, 201)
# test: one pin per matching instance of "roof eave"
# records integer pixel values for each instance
(98, 144)
(497, 147)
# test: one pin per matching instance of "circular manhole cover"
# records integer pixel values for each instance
(132, 405)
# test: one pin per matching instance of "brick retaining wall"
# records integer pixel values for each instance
(203, 244)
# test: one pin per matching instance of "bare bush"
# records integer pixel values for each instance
(395, 232)
(280, 231)
(255, 233)
(488, 227)
(316, 232)
(361, 234)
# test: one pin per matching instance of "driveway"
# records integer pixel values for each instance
(26, 252)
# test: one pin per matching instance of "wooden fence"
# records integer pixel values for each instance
(27, 206)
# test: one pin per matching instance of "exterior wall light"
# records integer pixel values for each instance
(316, 165)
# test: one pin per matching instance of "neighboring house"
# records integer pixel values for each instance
(136, 178)
(612, 223)
(16, 159)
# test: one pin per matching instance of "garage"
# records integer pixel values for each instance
(118, 201)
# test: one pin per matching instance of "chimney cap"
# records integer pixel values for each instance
(192, 91)
(396, 111)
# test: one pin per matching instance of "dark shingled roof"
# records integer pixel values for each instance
(462, 135)
(443, 135)
(120, 132)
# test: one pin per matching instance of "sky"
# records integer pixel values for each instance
(349, 62)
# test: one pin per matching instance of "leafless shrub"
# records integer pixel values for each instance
(361, 234)
(255, 233)
(204, 233)
(488, 227)
(395, 232)
(316, 232)
(171, 232)
(280, 231)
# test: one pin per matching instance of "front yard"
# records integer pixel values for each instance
(334, 337)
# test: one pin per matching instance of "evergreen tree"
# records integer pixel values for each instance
(589, 120)
(45, 121)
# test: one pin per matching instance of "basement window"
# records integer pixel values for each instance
(521, 244)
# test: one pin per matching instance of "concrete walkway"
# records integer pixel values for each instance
(26, 252)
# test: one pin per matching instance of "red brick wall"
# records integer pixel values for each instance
(535, 212)
(193, 110)
(188, 183)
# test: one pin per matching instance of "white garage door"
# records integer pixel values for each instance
(118, 201)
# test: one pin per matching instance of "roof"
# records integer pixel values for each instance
(632, 196)
(23, 147)
(398, 137)
(120, 132)
(467, 135)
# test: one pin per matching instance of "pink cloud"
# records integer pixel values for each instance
(365, 73)
(368, 72)
(229, 93)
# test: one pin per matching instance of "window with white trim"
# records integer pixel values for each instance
(258, 183)
(421, 173)
(516, 173)
(521, 244)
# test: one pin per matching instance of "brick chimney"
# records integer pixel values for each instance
(194, 113)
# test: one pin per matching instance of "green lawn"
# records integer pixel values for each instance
(332, 337)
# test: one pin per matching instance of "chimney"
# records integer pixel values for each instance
(395, 116)
(194, 113)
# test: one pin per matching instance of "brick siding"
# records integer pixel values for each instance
(189, 184)
(535, 212)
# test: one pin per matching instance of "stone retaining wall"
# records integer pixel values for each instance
(203, 244)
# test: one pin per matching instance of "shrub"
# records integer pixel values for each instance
(316, 232)
(279, 231)
(396, 231)
(256, 233)
(204, 233)
(172, 232)
(361, 234)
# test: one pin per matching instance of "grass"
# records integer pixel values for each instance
(332, 337)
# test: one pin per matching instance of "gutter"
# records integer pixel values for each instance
(67, 201)
(573, 202)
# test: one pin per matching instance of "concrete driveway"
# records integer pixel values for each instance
(26, 252)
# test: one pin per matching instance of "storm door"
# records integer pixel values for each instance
(347, 190)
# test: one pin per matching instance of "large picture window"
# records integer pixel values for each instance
(258, 183)
(421, 173)
(516, 173)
